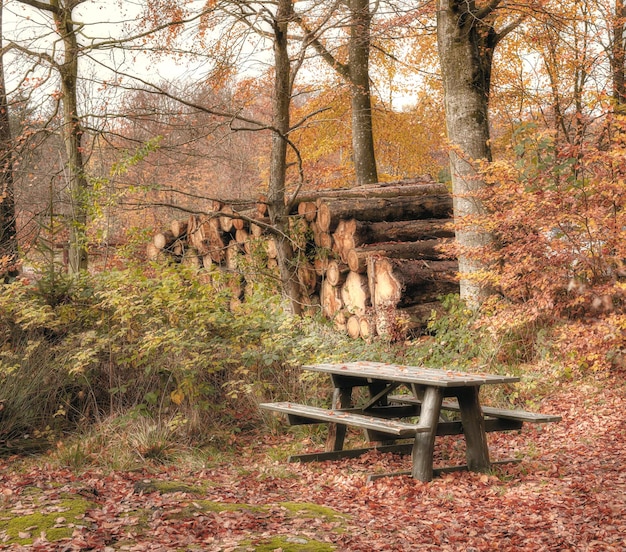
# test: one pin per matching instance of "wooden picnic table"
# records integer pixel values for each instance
(424, 392)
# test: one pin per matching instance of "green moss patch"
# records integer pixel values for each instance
(165, 487)
(310, 510)
(292, 544)
(57, 522)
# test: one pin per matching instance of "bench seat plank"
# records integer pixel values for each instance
(303, 414)
(518, 415)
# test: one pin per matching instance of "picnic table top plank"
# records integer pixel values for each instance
(410, 374)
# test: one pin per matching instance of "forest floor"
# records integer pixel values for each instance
(567, 494)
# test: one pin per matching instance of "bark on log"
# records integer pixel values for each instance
(415, 186)
(212, 232)
(377, 209)
(192, 224)
(353, 233)
(395, 280)
(355, 294)
(422, 249)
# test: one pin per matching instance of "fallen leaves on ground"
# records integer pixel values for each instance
(567, 494)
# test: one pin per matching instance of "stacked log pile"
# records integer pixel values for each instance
(373, 258)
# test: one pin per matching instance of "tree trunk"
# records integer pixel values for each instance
(618, 55)
(278, 158)
(73, 137)
(8, 229)
(358, 60)
(466, 41)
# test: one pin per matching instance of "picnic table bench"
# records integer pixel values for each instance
(387, 418)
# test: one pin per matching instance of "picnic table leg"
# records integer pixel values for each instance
(424, 445)
(342, 398)
(477, 450)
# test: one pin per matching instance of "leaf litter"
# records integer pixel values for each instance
(567, 494)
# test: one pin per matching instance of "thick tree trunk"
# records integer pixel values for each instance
(8, 229)
(466, 41)
(362, 128)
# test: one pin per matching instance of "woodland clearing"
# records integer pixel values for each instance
(568, 494)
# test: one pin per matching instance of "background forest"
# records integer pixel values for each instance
(116, 118)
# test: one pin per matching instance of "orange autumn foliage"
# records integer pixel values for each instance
(559, 257)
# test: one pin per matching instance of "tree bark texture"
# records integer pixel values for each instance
(466, 41)
(358, 66)
(8, 229)
(278, 159)
(77, 184)
(376, 209)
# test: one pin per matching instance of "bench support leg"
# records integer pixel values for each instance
(477, 451)
(342, 398)
(424, 445)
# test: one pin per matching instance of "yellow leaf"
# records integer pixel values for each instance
(177, 396)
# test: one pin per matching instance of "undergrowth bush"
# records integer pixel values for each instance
(158, 343)
(166, 348)
(557, 213)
